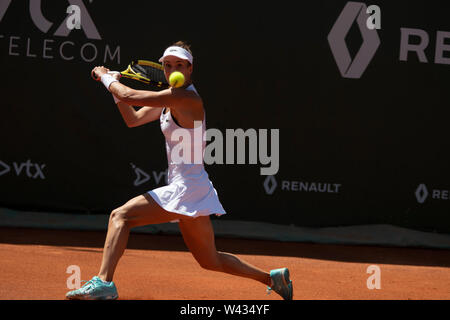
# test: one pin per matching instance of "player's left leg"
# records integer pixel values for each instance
(198, 236)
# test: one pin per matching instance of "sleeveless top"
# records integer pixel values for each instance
(189, 191)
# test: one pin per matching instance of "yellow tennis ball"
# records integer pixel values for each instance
(176, 79)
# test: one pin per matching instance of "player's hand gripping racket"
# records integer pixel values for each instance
(145, 71)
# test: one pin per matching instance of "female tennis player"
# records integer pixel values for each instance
(189, 198)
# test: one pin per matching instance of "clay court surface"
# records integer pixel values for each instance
(33, 266)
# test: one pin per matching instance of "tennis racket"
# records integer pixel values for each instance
(145, 71)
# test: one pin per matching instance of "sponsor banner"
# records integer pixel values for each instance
(424, 194)
(54, 39)
(27, 168)
(335, 116)
(271, 185)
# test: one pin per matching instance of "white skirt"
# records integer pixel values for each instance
(189, 197)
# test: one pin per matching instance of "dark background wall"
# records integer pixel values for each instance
(378, 144)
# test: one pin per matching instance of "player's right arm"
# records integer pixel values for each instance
(137, 118)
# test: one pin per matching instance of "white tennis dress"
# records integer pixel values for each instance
(189, 191)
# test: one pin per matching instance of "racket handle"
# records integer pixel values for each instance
(109, 72)
(94, 76)
(114, 73)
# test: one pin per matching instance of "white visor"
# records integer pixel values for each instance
(177, 52)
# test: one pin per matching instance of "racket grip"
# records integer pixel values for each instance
(114, 73)
(109, 72)
(94, 76)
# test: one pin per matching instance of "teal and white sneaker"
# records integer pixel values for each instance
(281, 283)
(94, 289)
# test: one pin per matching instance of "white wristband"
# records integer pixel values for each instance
(107, 79)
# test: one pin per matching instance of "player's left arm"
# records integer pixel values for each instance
(182, 101)
(176, 98)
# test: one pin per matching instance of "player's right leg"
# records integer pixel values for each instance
(139, 211)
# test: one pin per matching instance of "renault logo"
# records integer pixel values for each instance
(421, 193)
(270, 184)
(353, 11)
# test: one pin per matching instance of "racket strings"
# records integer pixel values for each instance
(150, 72)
